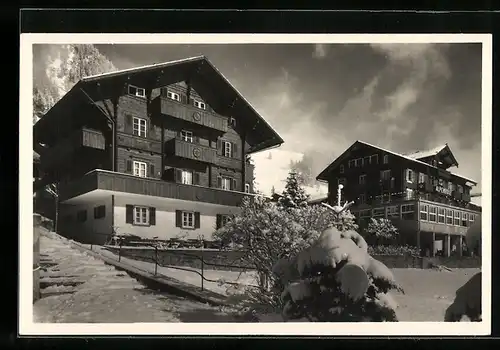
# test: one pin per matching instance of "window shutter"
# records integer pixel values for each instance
(152, 215)
(219, 146)
(219, 182)
(129, 166)
(233, 184)
(196, 178)
(128, 124)
(152, 170)
(178, 175)
(197, 219)
(234, 149)
(129, 215)
(178, 218)
(218, 221)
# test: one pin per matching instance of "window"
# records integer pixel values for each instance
(362, 198)
(460, 188)
(140, 169)
(408, 211)
(358, 162)
(374, 159)
(432, 213)
(247, 188)
(366, 160)
(449, 217)
(341, 168)
(424, 208)
(365, 213)
(386, 197)
(409, 175)
(139, 127)
(225, 219)
(385, 174)
(186, 136)
(232, 122)
(81, 215)
(472, 217)
(450, 186)
(141, 216)
(173, 96)
(465, 220)
(422, 177)
(187, 177)
(456, 219)
(199, 104)
(350, 163)
(187, 219)
(393, 211)
(227, 148)
(341, 181)
(226, 183)
(386, 159)
(441, 212)
(99, 212)
(362, 179)
(378, 212)
(409, 194)
(136, 91)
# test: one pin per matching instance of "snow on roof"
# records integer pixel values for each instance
(426, 153)
(136, 69)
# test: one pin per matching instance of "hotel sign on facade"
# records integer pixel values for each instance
(443, 190)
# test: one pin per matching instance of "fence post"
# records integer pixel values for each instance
(202, 269)
(37, 219)
(156, 259)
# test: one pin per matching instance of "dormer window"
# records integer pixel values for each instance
(173, 96)
(136, 91)
(341, 168)
(199, 104)
(232, 122)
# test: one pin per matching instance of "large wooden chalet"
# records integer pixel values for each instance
(155, 151)
(430, 205)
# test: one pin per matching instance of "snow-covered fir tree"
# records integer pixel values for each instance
(293, 196)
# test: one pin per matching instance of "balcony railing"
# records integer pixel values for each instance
(65, 148)
(189, 113)
(184, 149)
(119, 182)
(137, 142)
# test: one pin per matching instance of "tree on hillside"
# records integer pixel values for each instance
(307, 168)
(293, 196)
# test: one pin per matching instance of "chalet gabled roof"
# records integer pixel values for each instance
(205, 79)
(443, 150)
(323, 176)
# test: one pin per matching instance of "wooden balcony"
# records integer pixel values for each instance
(168, 107)
(119, 182)
(136, 142)
(183, 149)
(67, 147)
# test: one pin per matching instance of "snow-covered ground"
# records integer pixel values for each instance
(100, 293)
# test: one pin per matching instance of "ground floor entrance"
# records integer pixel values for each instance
(438, 244)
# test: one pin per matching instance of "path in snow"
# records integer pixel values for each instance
(79, 288)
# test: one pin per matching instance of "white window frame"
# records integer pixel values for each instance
(187, 177)
(393, 211)
(441, 216)
(341, 168)
(173, 96)
(432, 213)
(448, 216)
(383, 174)
(228, 148)
(351, 163)
(137, 91)
(362, 198)
(187, 136)
(374, 156)
(232, 122)
(358, 162)
(409, 176)
(366, 160)
(362, 179)
(472, 217)
(464, 217)
(424, 209)
(247, 188)
(187, 219)
(225, 183)
(456, 217)
(138, 167)
(409, 194)
(141, 215)
(199, 104)
(139, 126)
(386, 159)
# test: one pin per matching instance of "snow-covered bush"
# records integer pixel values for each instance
(265, 232)
(336, 280)
(399, 250)
(381, 231)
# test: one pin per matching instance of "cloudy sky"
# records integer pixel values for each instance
(321, 98)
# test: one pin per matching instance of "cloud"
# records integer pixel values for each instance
(320, 51)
